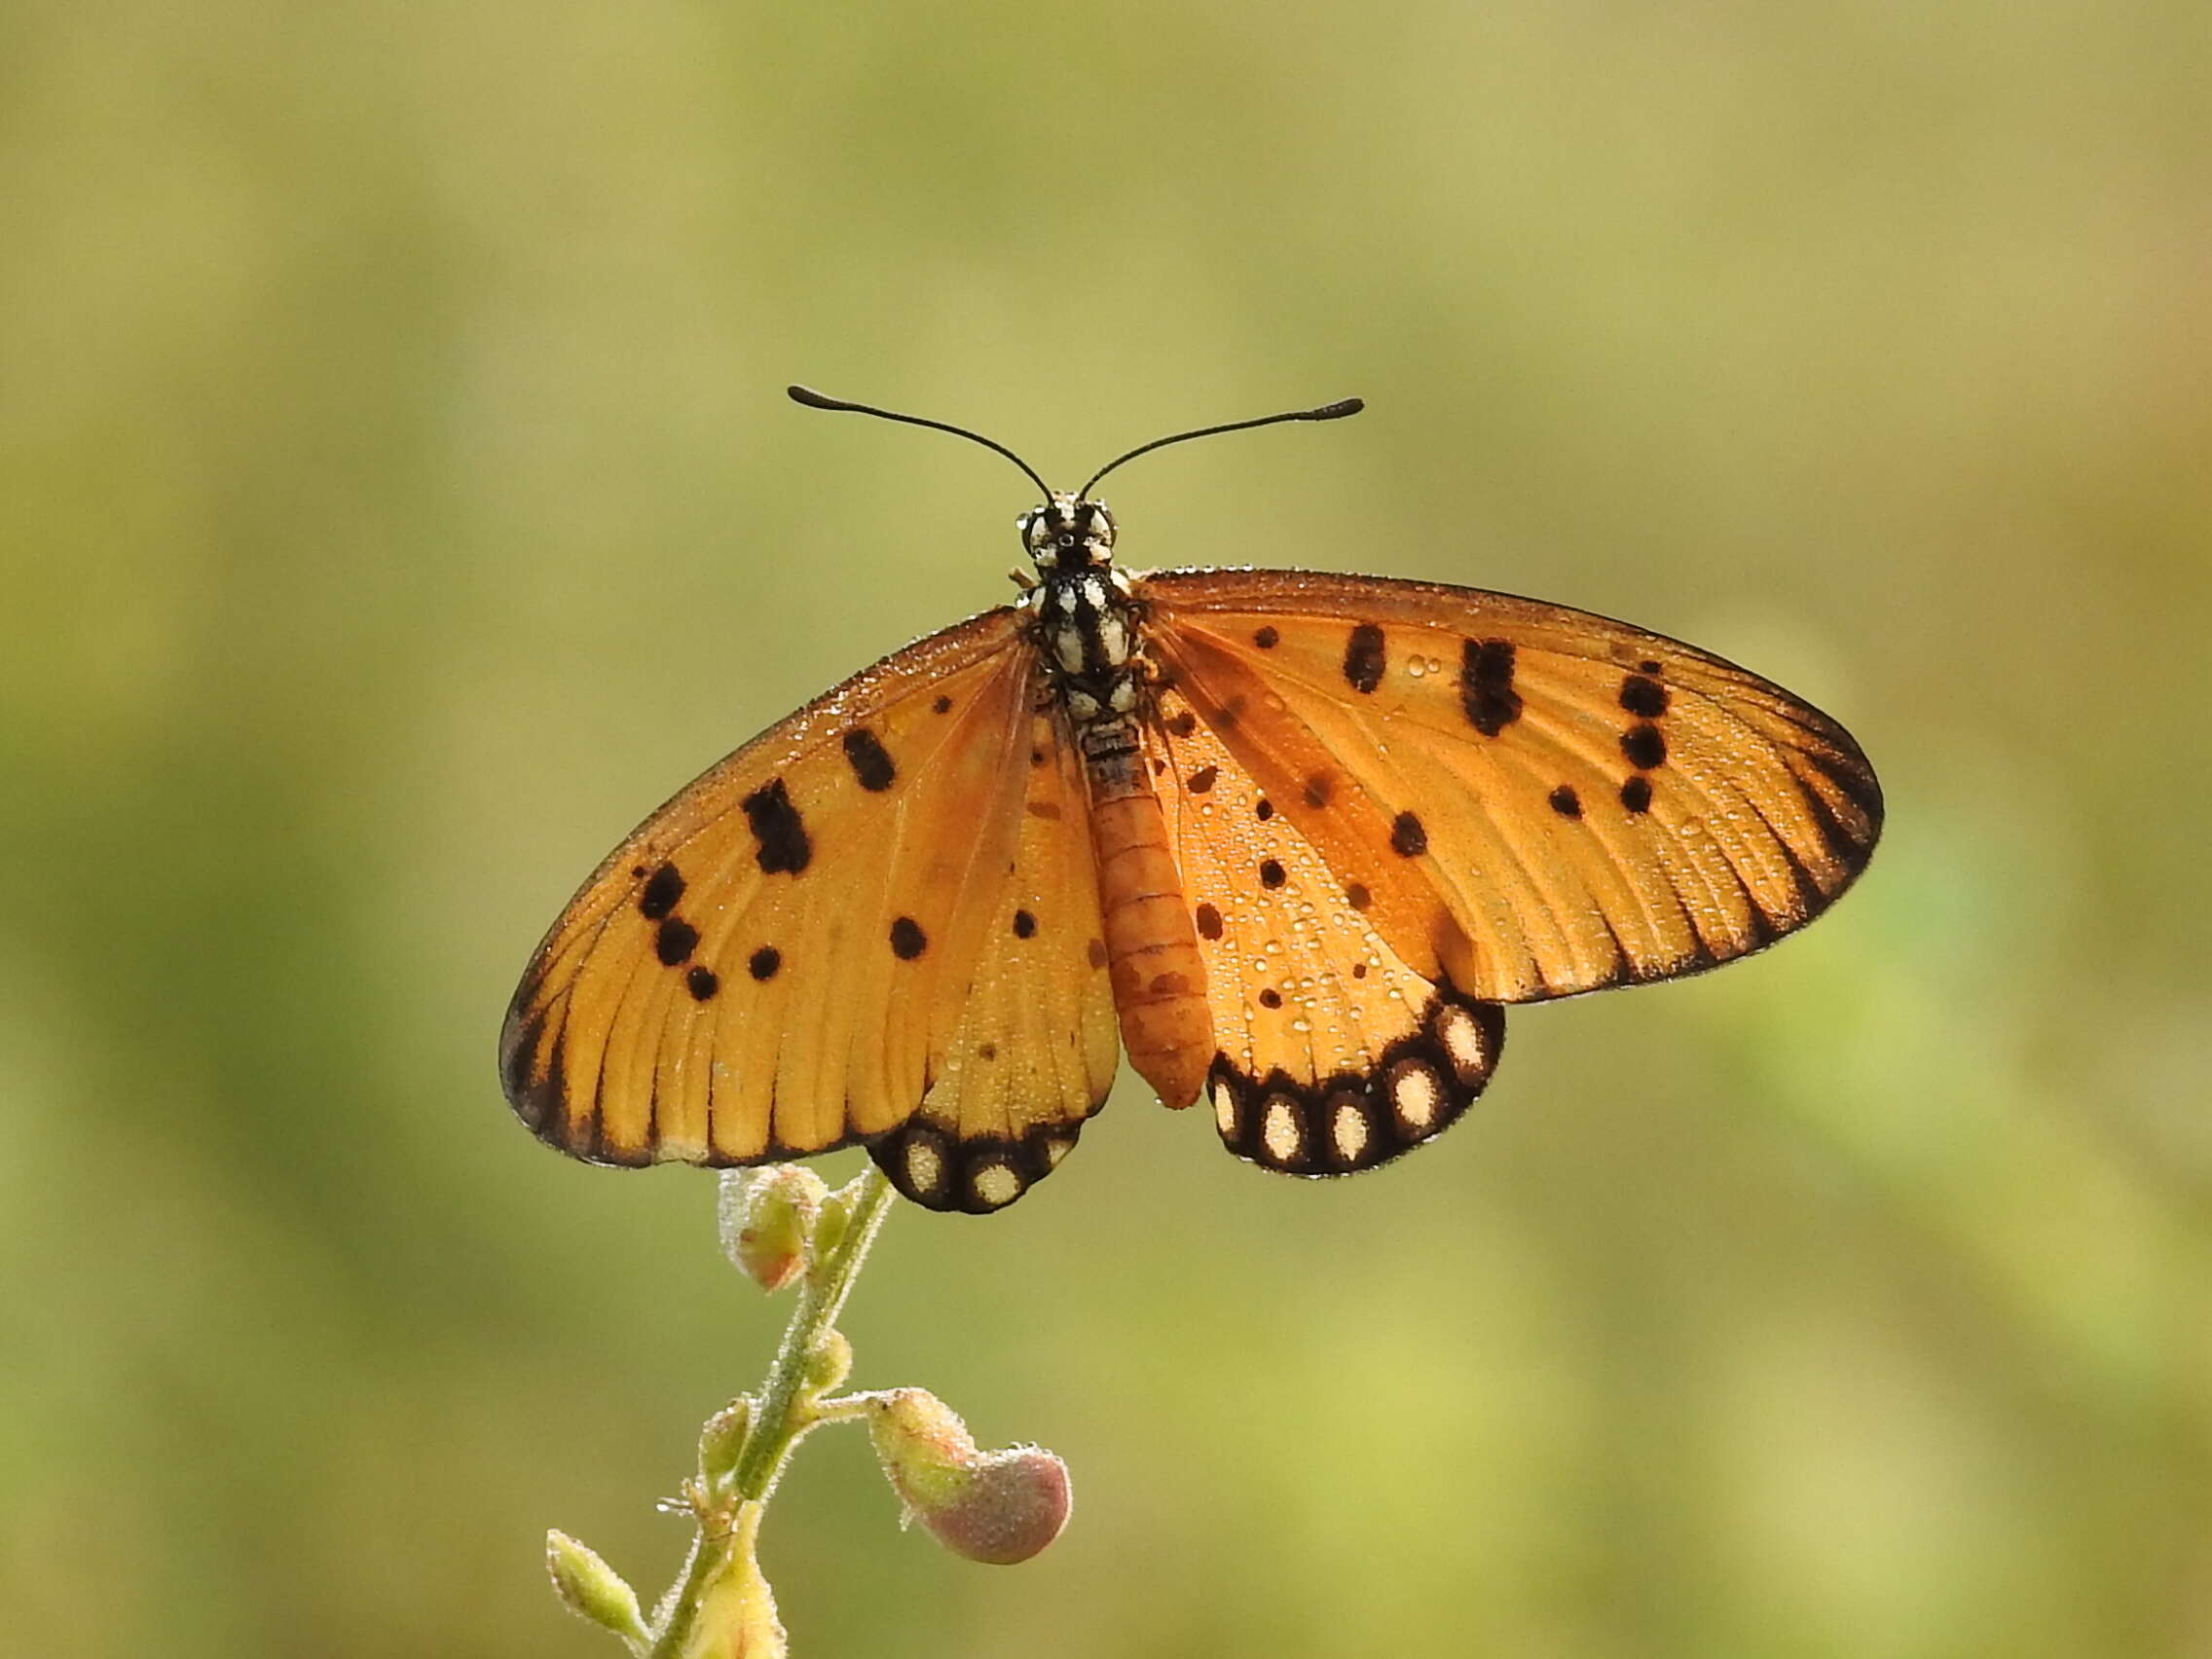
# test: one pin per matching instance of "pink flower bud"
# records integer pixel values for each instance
(990, 1506)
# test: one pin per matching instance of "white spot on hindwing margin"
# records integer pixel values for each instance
(1281, 1131)
(1224, 1110)
(1463, 1039)
(925, 1165)
(1347, 1129)
(995, 1184)
(1417, 1096)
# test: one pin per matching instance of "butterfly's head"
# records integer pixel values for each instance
(1068, 532)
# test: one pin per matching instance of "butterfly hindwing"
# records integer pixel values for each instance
(1334, 1055)
(780, 960)
(1034, 1046)
(1535, 801)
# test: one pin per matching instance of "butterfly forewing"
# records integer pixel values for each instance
(1537, 801)
(780, 960)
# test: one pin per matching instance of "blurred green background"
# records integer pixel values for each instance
(398, 498)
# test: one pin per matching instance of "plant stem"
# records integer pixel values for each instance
(731, 1516)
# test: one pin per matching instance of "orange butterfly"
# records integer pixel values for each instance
(1290, 838)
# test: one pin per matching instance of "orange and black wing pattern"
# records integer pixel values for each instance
(877, 922)
(1538, 801)
(1398, 805)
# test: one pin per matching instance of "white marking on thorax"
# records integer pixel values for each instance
(1114, 637)
(1068, 648)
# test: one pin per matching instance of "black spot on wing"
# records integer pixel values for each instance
(702, 984)
(1566, 803)
(1025, 924)
(870, 760)
(1644, 746)
(1203, 779)
(1272, 873)
(763, 963)
(1357, 896)
(1486, 686)
(675, 942)
(661, 892)
(784, 847)
(1636, 794)
(1208, 919)
(1183, 724)
(1364, 658)
(1271, 998)
(1644, 696)
(1266, 637)
(907, 941)
(1264, 809)
(1409, 837)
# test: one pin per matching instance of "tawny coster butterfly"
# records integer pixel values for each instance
(1291, 838)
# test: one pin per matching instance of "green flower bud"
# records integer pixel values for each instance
(989, 1506)
(593, 1590)
(722, 1438)
(767, 1217)
(828, 1364)
(829, 1228)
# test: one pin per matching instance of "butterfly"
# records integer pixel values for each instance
(1292, 840)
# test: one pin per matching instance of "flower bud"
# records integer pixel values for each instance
(722, 1437)
(829, 1228)
(766, 1217)
(828, 1364)
(593, 1590)
(737, 1612)
(990, 1506)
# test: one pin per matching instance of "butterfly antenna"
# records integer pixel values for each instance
(816, 400)
(1327, 412)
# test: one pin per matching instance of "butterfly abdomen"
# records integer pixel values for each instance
(1151, 949)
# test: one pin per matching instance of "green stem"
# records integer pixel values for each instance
(783, 1414)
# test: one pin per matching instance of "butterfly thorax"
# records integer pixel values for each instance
(1085, 629)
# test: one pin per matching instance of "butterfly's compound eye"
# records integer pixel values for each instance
(1101, 524)
(1038, 536)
